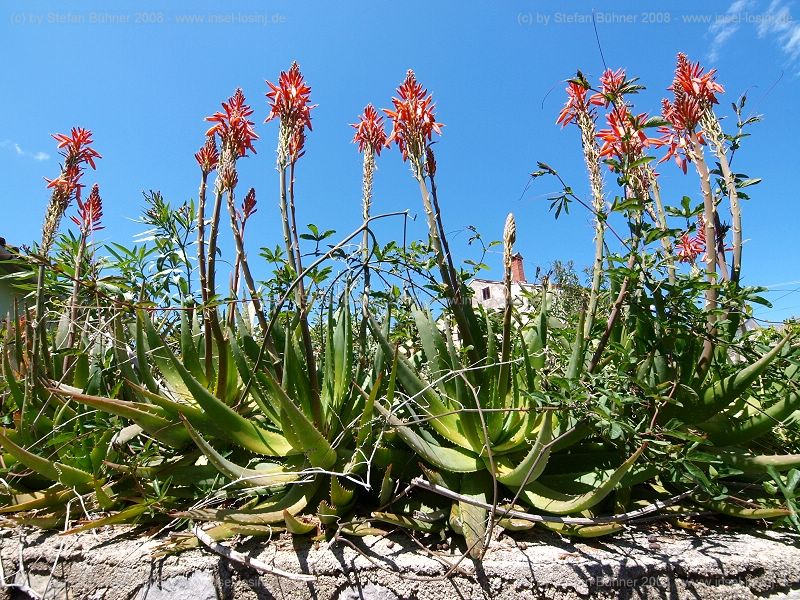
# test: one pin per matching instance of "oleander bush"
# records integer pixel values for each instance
(359, 388)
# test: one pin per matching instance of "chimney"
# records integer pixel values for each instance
(517, 269)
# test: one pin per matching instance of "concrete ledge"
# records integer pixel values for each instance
(635, 564)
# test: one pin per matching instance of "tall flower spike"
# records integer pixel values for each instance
(248, 206)
(232, 126)
(76, 147)
(625, 138)
(576, 103)
(612, 86)
(370, 134)
(690, 79)
(90, 212)
(413, 119)
(289, 101)
(208, 156)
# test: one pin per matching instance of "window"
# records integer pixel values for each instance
(486, 293)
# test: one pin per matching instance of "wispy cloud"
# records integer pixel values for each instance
(725, 26)
(18, 150)
(776, 22)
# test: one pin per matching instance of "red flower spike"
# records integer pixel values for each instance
(232, 125)
(289, 100)
(370, 133)
(625, 138)
(248, 206)
(413, 120)
(689, 248)
(690, 79)
(576, 103)
(76, 147)
(90, 212)
(611, 84)
(208, 156)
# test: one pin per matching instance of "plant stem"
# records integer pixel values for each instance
(710, 256)
(73, 301)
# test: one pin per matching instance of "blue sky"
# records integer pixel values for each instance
(143, 75)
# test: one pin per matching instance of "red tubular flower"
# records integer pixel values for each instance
(413, 120)
(208, 156)
(576, 103)
(689, 248)
(611, 86)
(234, 129)
(67, 184)
(289, 101)
(248, 206)
(625, 138)
(370, 133)
(690, 79)
(90, 212)
(77, 146)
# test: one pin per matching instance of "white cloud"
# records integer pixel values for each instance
(17, 149)
(724, 26)
(775, 22)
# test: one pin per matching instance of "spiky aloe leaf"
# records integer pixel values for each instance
(126, 515)
(474, 519)
(54, 496)
(406, 522)
(535, 461)
(293, 501)
(54, 471)
(725, 391)
(544, 498)
(152, 419)
(268, 475)
(306, 437)
(733, 509)
(230, 424)
(386, 487)
(189, 353)
(442, 418)
(442, 457)
(750, 463)
(584, 531)
(297, 527)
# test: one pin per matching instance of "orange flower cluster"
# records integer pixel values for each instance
(77, 151)
(232, 125)
(370, 134)
(575, 105)
(625, 138)
(413, 120)
(208, 156)
(289, 101)
(90, 212)
(694, 94)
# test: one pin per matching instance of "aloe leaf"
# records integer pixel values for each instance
(231, 424)
(386, 487)
(534, 463)
(260, 396)
(577, 358)
(295, 500)
(54, 471)
(746, 512)
(297, 527)
(474, 519)
(189, 354)
(750, 464)
(341, 496)
(442, 457)
(728, 428)
(544, 498)
(152, 419)
(269, 475)
(584, 531)
(311, 442)
(725, 391)
(407, 522)
(54, 496)
(442, 419)
(127, 515)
